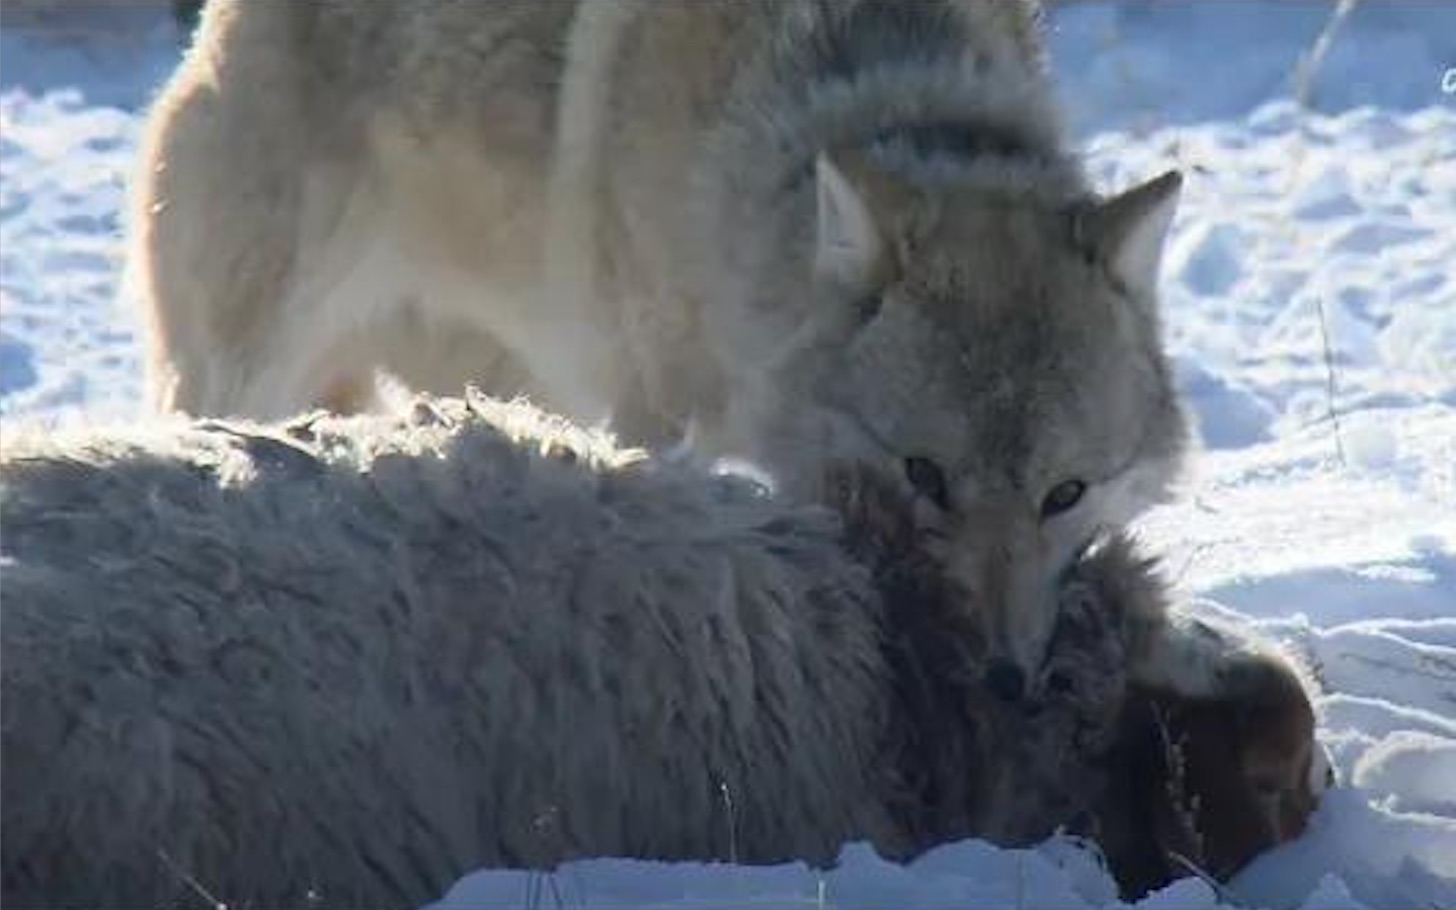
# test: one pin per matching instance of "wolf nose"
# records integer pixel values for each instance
(1005, 680)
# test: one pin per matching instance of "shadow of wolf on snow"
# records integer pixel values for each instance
(359, 657)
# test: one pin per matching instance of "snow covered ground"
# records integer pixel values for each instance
(1311, 305)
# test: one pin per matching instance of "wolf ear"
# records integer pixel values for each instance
(851, 247)
(1127, 232)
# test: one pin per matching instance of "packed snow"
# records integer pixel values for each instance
(1311, 308)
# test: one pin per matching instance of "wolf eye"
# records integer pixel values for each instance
(1062, 497)
(928, 480)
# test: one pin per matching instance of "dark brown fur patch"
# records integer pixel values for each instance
(1207, 783)
(1166, 784)
(969, 764)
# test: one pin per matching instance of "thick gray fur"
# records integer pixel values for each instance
(361, 657)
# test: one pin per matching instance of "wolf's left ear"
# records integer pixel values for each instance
(1127, 231)
(856, 222)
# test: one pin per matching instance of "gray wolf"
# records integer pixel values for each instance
(783, 232)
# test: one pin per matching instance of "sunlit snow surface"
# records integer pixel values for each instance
(1336, 534)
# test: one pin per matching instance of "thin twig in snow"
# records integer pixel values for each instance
(1330, 390)
(1309, 65)
(732, 822)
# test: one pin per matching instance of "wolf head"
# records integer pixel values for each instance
(999, 353)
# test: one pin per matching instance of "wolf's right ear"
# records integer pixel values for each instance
(1127, 232)
(852, 249)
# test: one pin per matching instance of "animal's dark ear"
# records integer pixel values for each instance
(1127, 232)
(855, 224)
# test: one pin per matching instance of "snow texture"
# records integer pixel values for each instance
(1311, 308)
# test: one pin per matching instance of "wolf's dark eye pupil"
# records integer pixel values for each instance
(1062, 497)
(928, 480)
